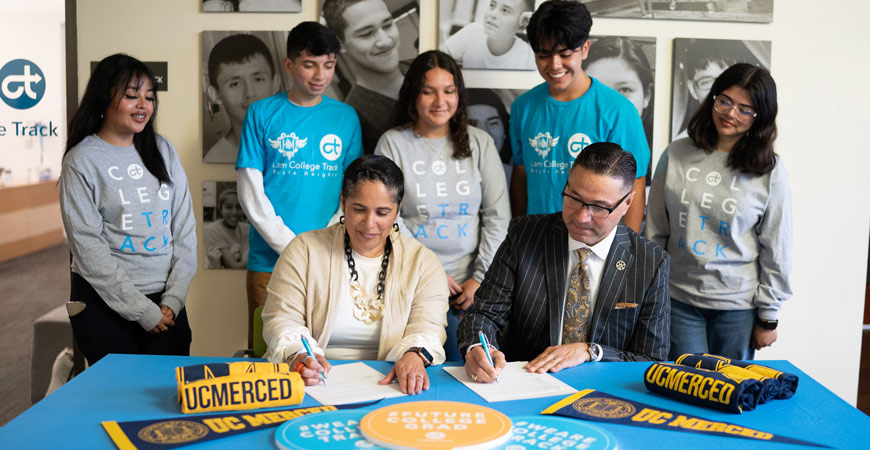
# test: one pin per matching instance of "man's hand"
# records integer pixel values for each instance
(411, 373)
(762, 338)
(559, 357)
(478, 368)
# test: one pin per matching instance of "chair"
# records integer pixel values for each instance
(259, 343)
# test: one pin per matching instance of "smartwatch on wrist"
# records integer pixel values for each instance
(427, 357)
(766, 324)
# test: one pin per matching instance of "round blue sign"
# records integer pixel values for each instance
(334, 430)
(22, 84)
(535, 432)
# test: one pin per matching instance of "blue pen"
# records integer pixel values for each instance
(485, 344)
(311, 354)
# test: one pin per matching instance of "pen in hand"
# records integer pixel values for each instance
(485, 344)
(311, 354)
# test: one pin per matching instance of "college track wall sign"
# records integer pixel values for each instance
(22, 84)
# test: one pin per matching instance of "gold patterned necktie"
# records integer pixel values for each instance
(578, 301)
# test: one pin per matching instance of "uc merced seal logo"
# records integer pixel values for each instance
(543, 143)
(288, 145)
(173, 432)
(22, 84)
(607, 408)
(330, 147)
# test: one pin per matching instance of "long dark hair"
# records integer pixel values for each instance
(107, 83)
(754, 151)
(406, 108)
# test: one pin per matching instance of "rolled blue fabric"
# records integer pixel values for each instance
(701, 387)
(787, 383)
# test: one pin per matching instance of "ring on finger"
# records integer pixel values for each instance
(473, 377)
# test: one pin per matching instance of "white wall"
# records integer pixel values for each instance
(819, 63)
(42, 21)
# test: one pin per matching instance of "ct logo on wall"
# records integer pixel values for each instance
(22, 84)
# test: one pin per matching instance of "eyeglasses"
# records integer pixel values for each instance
(723, 104)
(596, 211)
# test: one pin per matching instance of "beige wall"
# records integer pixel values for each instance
(820, 65)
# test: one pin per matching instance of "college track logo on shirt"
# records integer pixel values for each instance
(330, 147)
(543, 143)
(288, 145)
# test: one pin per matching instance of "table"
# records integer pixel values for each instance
(139, 387)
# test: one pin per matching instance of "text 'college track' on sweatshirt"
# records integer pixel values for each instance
(129, 234)
(458, 208)
(729, 233)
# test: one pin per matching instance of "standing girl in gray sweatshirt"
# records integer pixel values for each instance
(128, 216)
(456, 201)
(720, 203)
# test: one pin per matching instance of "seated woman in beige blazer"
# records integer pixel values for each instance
(359, 289)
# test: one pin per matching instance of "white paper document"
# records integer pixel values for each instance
(352, 383)
(514, 383)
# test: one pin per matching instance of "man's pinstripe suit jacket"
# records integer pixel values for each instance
(523, 294)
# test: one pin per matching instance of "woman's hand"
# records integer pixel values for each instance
(466, 296)
(453, 286)
(168, 320)
(762, 338)
(411, 374)
(310, 368)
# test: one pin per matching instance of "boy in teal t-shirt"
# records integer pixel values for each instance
(293, 152)
(553, 122)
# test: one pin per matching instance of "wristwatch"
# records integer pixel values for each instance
(594, 351)
(766, 324)
(427, 357)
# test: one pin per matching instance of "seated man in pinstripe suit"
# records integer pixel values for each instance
(575, 286)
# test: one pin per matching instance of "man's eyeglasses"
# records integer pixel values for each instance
(596, 211)
(723, 104)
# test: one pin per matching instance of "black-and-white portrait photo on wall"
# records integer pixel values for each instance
(251, 5)
(379, 39)
(711, 10)
(238, 68)
(486, 34)
(626, 65)
(225, 228)
(697, 64)
(489, 110)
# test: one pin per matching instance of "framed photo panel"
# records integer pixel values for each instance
(710, 10)
(486, 34)
(697, 64)
(252, 6)
(379, 39)
(225, 228)
(238, 68)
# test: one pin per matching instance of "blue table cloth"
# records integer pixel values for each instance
(138, 387)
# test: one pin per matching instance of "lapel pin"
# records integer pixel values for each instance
(620, 265)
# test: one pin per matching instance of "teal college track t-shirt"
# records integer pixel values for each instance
(547, 135)
(302, 152)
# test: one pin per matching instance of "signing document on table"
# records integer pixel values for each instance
(514, 383)
(353, 383)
